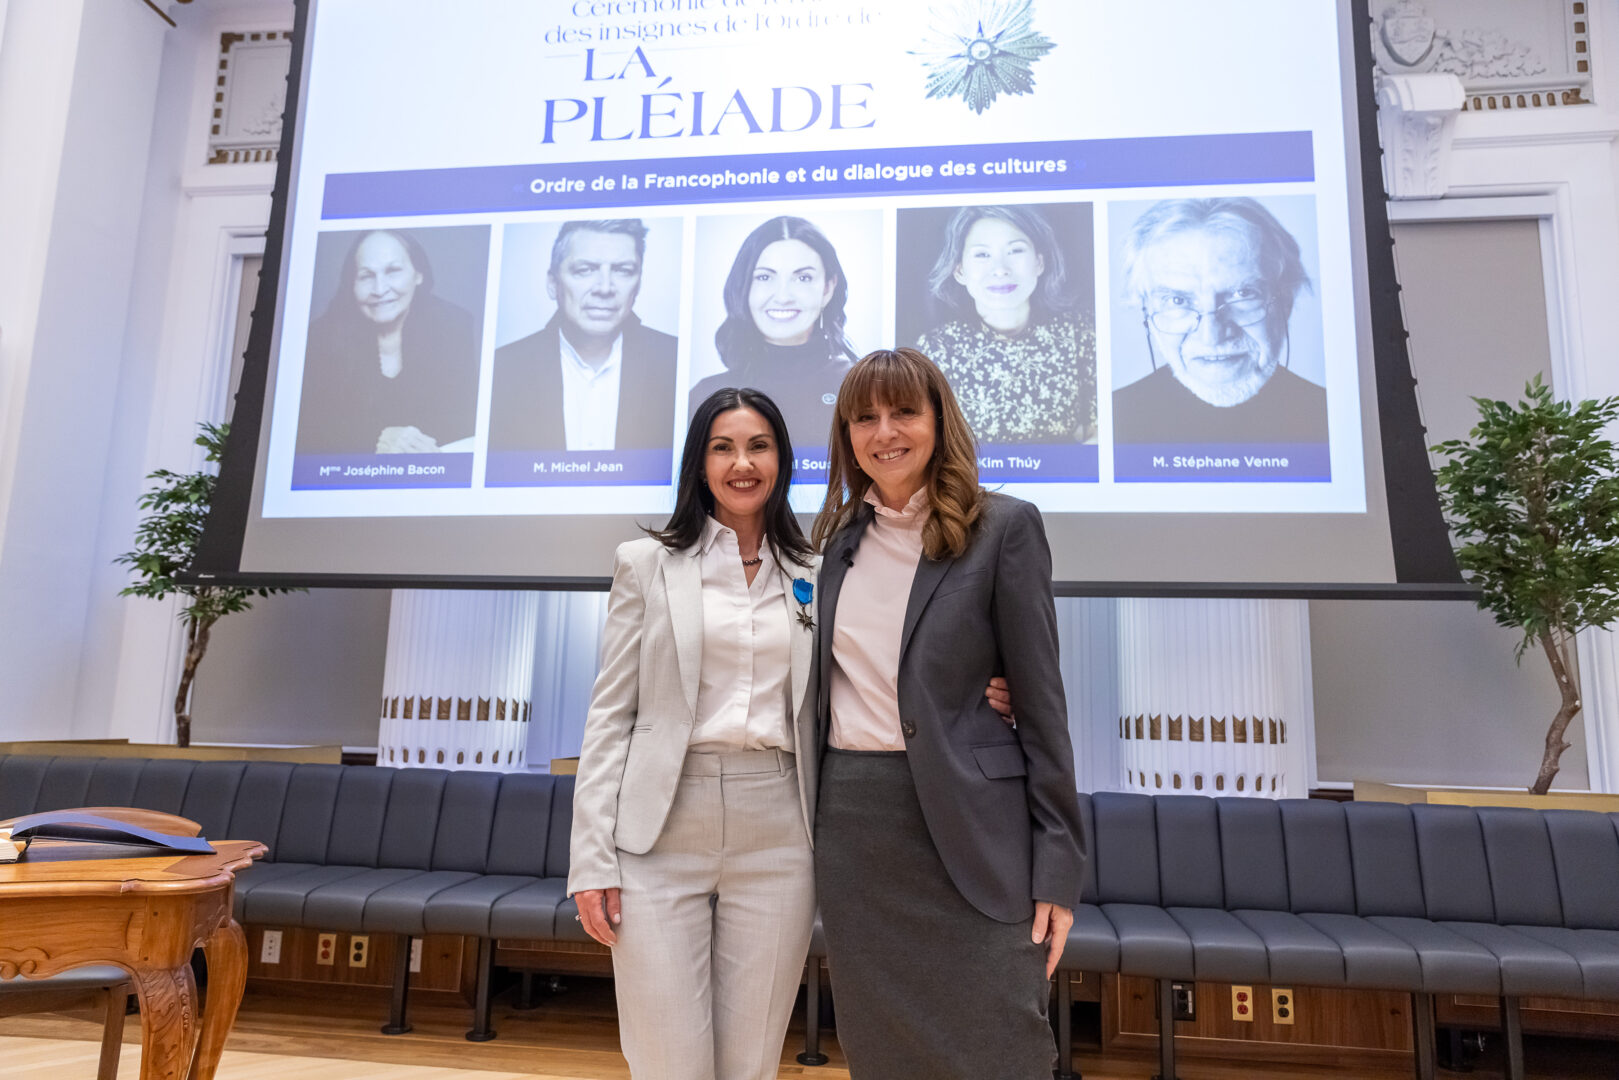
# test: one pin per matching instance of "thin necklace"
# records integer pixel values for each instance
(755, 561)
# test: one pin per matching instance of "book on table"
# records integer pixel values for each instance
(80, 827)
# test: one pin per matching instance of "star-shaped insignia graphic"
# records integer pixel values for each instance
(805, 619)
(979, 49)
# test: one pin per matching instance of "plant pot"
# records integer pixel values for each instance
(1374, 791)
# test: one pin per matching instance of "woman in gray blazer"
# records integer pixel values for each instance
(948, 849)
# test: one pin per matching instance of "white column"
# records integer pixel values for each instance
(457, 680)
(1090, 668)
(1214, 697)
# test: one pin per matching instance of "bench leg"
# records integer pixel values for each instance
(1065, 1028)
(1512, 1036)
(482, 1029)
(812, 1016)
(397, 1022)
(1423, 1034)
(112, 1032)
(1166, 1030)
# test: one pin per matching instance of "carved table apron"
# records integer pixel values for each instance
(145, 915)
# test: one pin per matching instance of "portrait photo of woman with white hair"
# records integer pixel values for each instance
(1209, 346)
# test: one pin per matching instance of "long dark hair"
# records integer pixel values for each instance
(1052, 296)
(738, 339)
(341, 307)
(694, 502)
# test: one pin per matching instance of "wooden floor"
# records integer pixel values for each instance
(572, 1036)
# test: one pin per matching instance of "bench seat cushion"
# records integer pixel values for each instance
(281, 900)
(259, 875)
(1298, 953)
(341, 904)
(1451, 963)
(1374, 959)
(1224, 949)
(1528, 965)
(1596, 951)
(89, 977)
(466, 908)
(401, 908)
(1151, 942)
(568, 927)
(1092, 944)
(530, 912)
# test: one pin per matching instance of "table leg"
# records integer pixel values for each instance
(226, 952)
(168, 1021)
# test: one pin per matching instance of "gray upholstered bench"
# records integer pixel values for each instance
(356, 849)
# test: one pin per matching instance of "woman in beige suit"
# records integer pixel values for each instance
(690, 850)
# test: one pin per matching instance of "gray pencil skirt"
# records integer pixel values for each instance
(923, 983)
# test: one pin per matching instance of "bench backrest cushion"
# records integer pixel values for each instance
(1455, 871)
(1188, 852)
(1383, 855)
(1254, 854)
(1523, 871)
(1320, 875)
(1125, 849)
(1585, 851)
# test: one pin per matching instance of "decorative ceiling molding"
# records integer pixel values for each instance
(1508, 54)
(1416, 120)
(250, 94)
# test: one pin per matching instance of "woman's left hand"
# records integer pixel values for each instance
(1000, 698)
(1051, 925)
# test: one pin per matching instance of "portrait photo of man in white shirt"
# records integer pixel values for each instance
(594, 377)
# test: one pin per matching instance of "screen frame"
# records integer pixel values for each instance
(1424, 562)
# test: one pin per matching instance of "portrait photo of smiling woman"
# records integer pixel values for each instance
(798, 300)
(1002, 299)
(1217, 337)
(392, 361)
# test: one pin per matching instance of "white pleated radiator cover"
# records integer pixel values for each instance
(457, 681)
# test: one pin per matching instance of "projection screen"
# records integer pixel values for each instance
(516, 242)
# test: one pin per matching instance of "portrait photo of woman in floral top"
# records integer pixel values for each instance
(1011, 324)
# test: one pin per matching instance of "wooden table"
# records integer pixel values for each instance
(146, 915)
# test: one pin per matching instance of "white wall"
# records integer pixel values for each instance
(77, 94)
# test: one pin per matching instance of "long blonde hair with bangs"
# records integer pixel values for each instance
(899, 377)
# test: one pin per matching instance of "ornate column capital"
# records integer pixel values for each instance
(1416, 119)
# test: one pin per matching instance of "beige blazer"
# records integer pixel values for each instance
(644, 704)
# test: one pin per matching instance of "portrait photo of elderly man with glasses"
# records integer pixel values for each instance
(1215, 283)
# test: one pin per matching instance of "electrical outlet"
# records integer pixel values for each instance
(1242, 1004)
(359, 950)
(416, 957)
(326, 950)
(1282, 1005)
(270, 948)
(1184, 995)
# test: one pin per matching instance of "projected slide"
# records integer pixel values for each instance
(507, 290)
(523, 243)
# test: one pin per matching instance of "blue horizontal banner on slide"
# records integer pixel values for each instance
(1169, 161)
(577, 468)
(1054, 463)
(351, 471)
(1222, 462)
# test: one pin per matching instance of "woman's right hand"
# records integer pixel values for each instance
(599, 913)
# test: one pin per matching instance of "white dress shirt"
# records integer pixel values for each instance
(869, 624)
(590, 397)
(747, 659)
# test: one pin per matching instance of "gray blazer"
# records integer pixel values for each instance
(999, 802)
(644, 704)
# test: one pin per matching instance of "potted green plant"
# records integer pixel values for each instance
(1532, 498)
(165, 543)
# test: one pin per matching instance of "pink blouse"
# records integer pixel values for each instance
(869, 623)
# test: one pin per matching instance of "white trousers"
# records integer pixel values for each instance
(716, 923)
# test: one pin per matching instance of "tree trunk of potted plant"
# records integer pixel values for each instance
(198, 632)
(1557, 653)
